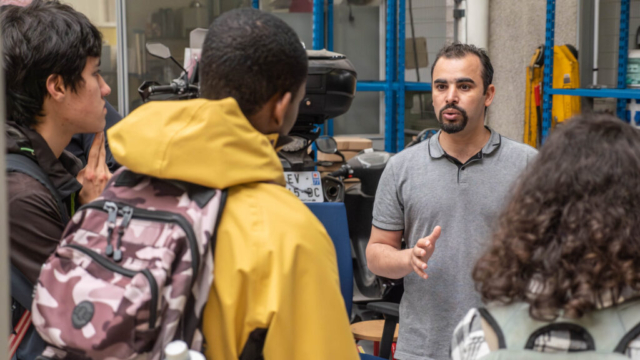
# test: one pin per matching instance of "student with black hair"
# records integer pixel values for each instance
(54, 90)
(276, 291)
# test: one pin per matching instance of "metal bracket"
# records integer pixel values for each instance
(458, 13)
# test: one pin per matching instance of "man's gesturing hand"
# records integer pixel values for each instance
(423, 250)
(95, 175)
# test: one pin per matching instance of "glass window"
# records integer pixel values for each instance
(356, 34)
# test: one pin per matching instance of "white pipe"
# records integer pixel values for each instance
(122, 59)
(478, 23)
(460, 24)
(596, 31)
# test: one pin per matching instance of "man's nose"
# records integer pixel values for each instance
(452, 95)
(105, 90)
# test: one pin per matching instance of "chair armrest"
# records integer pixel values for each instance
(385, 308)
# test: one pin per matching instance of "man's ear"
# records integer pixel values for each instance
(491, 93)
(281, 108)
(55, 87)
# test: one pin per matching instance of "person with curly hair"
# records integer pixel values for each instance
(563, 272)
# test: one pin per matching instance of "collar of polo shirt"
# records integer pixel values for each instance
(436, 151)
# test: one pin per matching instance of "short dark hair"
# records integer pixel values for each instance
(458, 51)
(251, 55)
(39, 40)
(569, 238)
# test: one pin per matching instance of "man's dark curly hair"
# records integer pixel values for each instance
(571, 232)
(41, 39)
(251, 56)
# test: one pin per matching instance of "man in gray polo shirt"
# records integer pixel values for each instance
(442, 196)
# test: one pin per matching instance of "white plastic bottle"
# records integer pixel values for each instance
(178, 350)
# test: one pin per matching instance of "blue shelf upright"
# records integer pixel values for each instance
(623, 52)
(621, 93)
(548, 68)
(318, 24)
(330, 48)
(402, 27)
(390, 77)
(394, 85)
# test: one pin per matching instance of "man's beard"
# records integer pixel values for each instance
(455, 127)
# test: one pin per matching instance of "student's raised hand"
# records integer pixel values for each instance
(95, 175)
(423, 250)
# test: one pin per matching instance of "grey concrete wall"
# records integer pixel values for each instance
(516, 28)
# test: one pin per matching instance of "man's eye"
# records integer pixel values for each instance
(465, 87)
(440, 87)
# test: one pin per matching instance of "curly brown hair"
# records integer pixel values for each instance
(571, 231)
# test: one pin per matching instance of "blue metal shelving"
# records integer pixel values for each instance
(621, 93)
(394, 85)
(608, 93)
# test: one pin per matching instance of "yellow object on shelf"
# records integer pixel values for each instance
(566, 75)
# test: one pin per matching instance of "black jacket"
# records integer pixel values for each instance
(35, 223)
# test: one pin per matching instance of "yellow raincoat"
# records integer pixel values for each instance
(276, 289)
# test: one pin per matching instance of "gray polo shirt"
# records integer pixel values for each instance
(423, 187)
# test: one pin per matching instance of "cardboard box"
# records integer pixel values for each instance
(348, 155)
(353, 143)
(328, 169)
(421, 47)
(349, 147)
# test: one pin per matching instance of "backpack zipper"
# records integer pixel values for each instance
(127, 215)
(159, 216)
(112, 210)
(102, 261)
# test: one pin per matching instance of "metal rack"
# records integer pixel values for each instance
(394, 85)
(621, 93)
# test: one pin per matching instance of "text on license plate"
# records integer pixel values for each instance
(306, 185)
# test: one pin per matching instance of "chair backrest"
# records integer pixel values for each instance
(334, 218)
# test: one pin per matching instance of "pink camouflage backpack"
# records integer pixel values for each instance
(132, 272)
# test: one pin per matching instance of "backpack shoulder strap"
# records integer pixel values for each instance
(21, 288)
(501, 319)
(629, 315)
(488, 318)
(25, 165)
(608, 330)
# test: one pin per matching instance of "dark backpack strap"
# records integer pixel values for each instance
(29, 345)
(486, 315)
(214, 236)
(25, 342)
(25, 165)
(21, 288)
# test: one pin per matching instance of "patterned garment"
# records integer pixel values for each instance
(468, 342)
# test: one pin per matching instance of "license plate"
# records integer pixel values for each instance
(306, 185)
